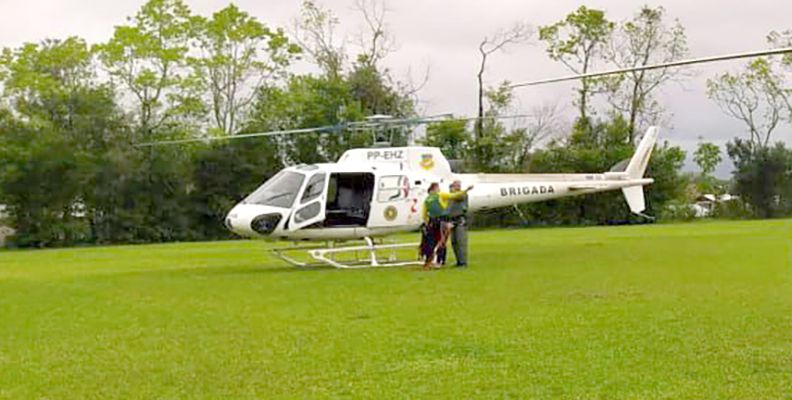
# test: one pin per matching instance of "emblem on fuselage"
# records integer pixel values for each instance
(390, 213)
(427, 161)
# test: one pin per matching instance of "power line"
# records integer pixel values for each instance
(751, 54)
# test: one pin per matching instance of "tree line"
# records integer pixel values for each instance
(73, 114)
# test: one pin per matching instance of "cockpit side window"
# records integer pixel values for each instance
(314, 188)
(279, 191)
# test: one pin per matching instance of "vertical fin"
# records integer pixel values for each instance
(640, 160)
(634, 195)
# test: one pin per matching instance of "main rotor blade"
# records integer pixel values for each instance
(326, 128)
(514, 116)
(672, 64)
(242, 136)
(334, 128)
(419, 120)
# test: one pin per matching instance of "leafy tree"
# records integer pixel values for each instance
(66, 124)
(148, 58)
(783, 40)
(377, 92)
(506, 142)
(604, 147)
(645, 39)
(307, 102)
(487, 152)
(239, 55)
(707, 156)
(577, 41)
(450, 136)
(224, 173)
(70, 171)
(669, 183)
(759, 98)
(43, 78)
(41, 180)
(763, 177)
(371, 85)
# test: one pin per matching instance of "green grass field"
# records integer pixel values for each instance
(665, 311)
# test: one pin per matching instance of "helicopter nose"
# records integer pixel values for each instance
(232, 222)
(252, 220)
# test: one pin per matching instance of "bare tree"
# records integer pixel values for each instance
(148, 58)
(546, 121)
(375, 40)
(783, 40)
(410, 86)
(644, 40)
(518, 33)
(752, 97)
(315, 32)
(542, 123)
(238, 56)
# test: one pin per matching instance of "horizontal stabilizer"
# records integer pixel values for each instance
(588, 186)
(635, 198)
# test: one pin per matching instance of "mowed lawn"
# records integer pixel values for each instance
(664, 311)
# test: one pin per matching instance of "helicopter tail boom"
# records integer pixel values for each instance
(502, 190)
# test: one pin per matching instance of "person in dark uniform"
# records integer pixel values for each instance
(457, 214)
(436, 226)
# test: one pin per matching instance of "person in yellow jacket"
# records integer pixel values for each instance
(435, 216)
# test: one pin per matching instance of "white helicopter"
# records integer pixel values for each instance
(375, 192)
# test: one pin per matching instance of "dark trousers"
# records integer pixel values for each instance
(433, 238)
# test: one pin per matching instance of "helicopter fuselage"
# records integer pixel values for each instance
(381, 191)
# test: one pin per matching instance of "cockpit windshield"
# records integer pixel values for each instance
(278, 191)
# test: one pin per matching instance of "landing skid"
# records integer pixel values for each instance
(365, 256)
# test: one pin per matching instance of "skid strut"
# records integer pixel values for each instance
(284, 254)
(366, 255)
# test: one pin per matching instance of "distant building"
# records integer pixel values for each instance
(705, 204)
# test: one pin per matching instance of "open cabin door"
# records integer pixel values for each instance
(310, 207)
(395, 203)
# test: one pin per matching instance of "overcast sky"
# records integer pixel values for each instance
(443, 36)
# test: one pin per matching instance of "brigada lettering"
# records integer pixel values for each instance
(385, 155)
(526, 190)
